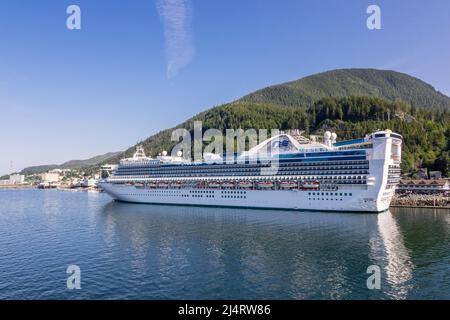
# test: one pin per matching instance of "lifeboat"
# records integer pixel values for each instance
(228, 184)
(214, 184)
(162, 184)
(245, 184)
(288, 184)
(265, 184)
(201, 184)
(310, 185)
(175, 184)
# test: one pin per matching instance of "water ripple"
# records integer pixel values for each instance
(130, 251)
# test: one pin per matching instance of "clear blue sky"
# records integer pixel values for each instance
(75, 94)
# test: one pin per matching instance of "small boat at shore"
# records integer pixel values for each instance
(46, 185)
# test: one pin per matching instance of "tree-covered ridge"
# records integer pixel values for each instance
(72, 164)
(388, 85)
(426, 132)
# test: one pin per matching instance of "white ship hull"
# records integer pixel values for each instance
(346, 201)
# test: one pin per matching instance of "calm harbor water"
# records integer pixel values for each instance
(132, 251)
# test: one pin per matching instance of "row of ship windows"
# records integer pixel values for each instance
(122, 175)
(224, 166)
(279, 168)
(193, 195)
(223, 192)
(166, 191)
(234, 197)
(159, 194)
(234, 192)
(197, 193)
(240, 196)
(222, 196)
(201, 191)
(205, 170)
(304, 167)
(345, 194)
(303, 178)
(315, 176)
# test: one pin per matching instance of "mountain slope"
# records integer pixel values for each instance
(426, 132)
(77, 164)
(389, 85)
(351, 102)
(72, 164)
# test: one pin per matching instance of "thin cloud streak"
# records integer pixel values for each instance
(176, 16)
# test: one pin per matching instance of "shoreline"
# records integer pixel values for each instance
(65, 189)
(417, 207)
(17, 187)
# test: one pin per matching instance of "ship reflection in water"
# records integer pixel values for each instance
(137, 251)
(197, 252)
(394, 256)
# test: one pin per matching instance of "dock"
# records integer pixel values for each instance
(421, 201)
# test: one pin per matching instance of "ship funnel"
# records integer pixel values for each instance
(333, 137)
(327, 138)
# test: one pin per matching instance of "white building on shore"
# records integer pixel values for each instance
(424, 186)
(17, 179)
(14, 179)
(50, 176)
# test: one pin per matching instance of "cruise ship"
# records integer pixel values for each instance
(288, 171)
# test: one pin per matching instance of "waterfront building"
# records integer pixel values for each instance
(16, 179)
(50, 177)
(423, 173)
(424, 186)
(88, 183)
(436, 175)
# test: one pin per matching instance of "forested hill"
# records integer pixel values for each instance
(352, 102)
(426, 132)
(388, 85)
(72, 164)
